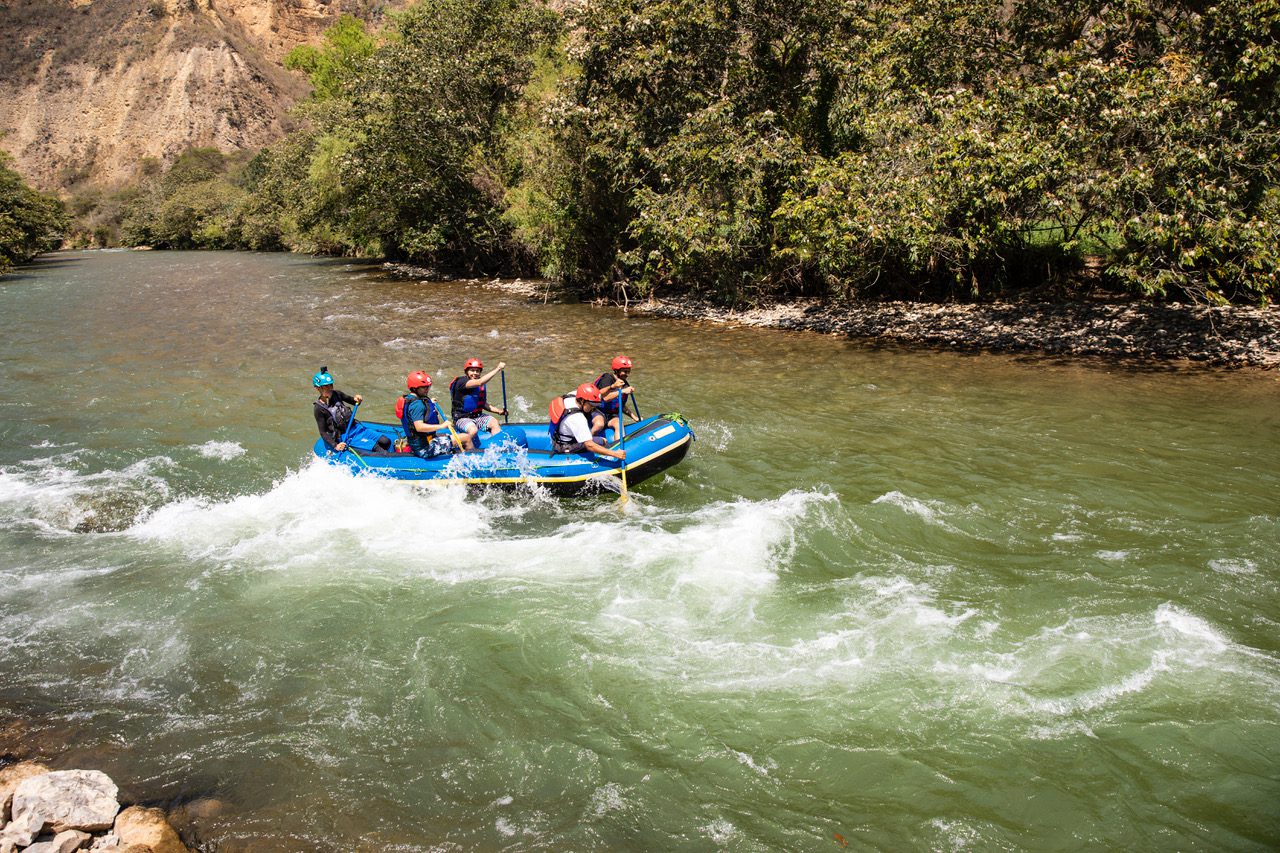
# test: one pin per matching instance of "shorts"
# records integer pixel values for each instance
(438, 446)
(571, 447)
(481, 421)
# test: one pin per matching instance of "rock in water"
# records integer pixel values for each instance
(68, 799)
(144, 826)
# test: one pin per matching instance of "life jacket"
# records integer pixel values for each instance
(402, 412)
(608, 407)
(466, 401)
(558, 412)
(337, 413)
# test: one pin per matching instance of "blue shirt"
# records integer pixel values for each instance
(415, 411)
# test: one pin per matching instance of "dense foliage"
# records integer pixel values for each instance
(31, 222)
(757, 148)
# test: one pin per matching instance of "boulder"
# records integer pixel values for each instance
(63, 842)
(188, 816)
(68, 799)
(138, 825)
(10, 778)
(108, 843)
(21, 831)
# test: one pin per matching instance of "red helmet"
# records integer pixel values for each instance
(621, 362)
(473, 362)
(418, 379)
(589, 392)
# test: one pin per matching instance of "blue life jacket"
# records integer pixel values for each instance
(417, 439)
(467, 402)
(609, 407)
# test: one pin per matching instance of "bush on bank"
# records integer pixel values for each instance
(31, 222)
(772, 148)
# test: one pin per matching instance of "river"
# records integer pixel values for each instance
(892, 599)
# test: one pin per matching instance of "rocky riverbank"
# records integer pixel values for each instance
(1128, 331)
(60, 811)
(1230, 337)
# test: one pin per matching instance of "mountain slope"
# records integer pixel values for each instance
(90, 87)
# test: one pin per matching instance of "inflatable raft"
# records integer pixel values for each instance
(521, 454)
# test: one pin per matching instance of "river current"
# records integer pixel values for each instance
(892, 599)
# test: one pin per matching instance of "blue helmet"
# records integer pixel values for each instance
(322, 378)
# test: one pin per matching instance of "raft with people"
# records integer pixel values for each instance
(585, 445)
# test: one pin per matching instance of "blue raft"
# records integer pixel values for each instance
(521, 454)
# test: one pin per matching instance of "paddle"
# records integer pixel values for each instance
(351, 421)
(634, 404)
(622, 438)
(504, 395)
(447, 423)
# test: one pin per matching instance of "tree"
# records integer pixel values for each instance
(31, 222)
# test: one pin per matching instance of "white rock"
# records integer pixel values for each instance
(10, 778)
(63, 842)
(22, 830)
(69, 799)
(105, 843)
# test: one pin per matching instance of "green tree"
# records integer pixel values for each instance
(31, 222)
(406, 152)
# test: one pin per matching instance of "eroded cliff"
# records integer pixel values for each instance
(88, 88)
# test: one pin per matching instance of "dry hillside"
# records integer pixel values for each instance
(89, 87)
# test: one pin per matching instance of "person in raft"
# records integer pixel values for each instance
(570, 427)
(332, 414)
(471, 409)
(615, 391)
(428, 432)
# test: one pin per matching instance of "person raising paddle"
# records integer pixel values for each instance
(615, 391)
(470, 405)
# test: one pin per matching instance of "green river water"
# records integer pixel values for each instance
(892, 599)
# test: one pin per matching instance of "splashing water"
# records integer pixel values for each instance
(959, 610)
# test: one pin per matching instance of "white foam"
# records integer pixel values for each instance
(57, 499)
(409, 343)
(720, 831)
(608, 798)
(220, 450)
(1236, 566)
(518, 408)
(296, 522)
(929, 512)
(1191, 627)
(738, 547)
(749, 761)
(715, 434)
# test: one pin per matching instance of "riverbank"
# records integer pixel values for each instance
(1124, 331)
(1228, 337)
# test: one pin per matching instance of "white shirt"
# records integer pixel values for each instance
(575, 424)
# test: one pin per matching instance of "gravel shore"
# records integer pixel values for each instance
(1122, 331)
(1231, 337)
